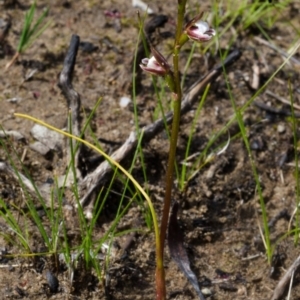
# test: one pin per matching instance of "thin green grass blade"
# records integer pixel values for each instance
(31, 33)
(136, 120)
(296, 156)
(254, 171)
(12, 223)
(29, 201)
(32, 38)
(187, 150)
(187, 65)
(34, 29)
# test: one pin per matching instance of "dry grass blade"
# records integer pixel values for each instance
(8, 169)
(284, 281)
(281, 99)
(294, 60)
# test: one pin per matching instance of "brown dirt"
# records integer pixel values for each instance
(220, 209)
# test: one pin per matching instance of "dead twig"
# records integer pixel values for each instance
(73, 99)
(273, 110)
(92, 181)
(280, 51)
(281, 99)
(284, 281)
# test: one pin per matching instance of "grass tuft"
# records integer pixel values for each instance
(30, 32)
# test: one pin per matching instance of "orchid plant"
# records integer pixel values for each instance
(198, 31)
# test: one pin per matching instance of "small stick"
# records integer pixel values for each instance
(10, 63)
(284, 281)
(93, 180)
(281, 99)
(280, 51)
(6, 266)
(274, 110)
(72, 97)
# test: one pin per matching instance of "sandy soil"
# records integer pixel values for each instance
(219, 211)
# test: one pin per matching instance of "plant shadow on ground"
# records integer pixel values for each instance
(219, 210)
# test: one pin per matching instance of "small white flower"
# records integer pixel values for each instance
(200, 31)
(153, 67)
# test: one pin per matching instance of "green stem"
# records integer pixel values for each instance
(175, 125)
(176, 89)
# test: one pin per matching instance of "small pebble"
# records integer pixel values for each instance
(40, 148)
(49, 138)
(15, 134)
(257, 144)
(142, 5)
(87, 47)
(52, 281)
(14, 100)
(280, 128)
(206, 291)
(124, 101)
